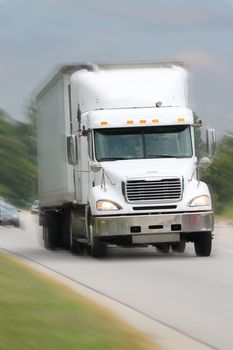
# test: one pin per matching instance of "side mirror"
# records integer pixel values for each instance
(211, 142)
(204, 162)
(72, 149)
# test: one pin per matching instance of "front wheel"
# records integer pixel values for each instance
(17, 224)
(178, 247)
(77, 248)
(203, 244)
(96, 248)
(162, 247)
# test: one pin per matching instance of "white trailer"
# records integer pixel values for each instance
(116, 160)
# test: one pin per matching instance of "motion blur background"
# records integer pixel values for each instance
(35, 36)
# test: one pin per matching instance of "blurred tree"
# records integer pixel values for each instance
(220, 175)
(27, 131)
(18, 161)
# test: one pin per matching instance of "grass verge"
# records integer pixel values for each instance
(36, 314)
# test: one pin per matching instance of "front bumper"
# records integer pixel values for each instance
(153, 224)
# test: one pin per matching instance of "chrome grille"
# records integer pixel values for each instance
(167, 189)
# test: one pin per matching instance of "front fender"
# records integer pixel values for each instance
(107, 193)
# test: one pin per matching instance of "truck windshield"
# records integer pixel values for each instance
(139, 143)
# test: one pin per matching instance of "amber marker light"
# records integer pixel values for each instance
(130, 121)
(104, 123)
(181, 120)
(143, 121)
(155, 121)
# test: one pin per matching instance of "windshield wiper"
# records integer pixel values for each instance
(161, 156)
(107, 159)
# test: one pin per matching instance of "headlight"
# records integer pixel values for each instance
(107, 205)
(200, 201)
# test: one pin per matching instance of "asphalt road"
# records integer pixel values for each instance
(191, 294)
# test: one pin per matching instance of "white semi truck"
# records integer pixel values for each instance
(117, 162)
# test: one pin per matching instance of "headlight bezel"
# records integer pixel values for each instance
(107, 205)
(200, 201)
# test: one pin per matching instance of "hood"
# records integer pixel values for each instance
(147, 168)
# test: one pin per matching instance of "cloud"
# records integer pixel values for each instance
(200, 59)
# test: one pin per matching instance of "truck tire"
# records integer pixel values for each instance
(96, 247)
(57, 232)
(203, 244)
(69, 238)
(50, 231)
(178, 247)
(17, 224)
(77, 248)
(162, 247)
(64, 228)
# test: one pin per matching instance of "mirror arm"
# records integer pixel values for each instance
(199, 123)
(198, 175)
(195, 169)
(84, 132)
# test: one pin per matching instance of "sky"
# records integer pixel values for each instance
(38, 35)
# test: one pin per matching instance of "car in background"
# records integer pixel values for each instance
(3, 215)
(14, 216)
(35, 208)
(9, 215)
